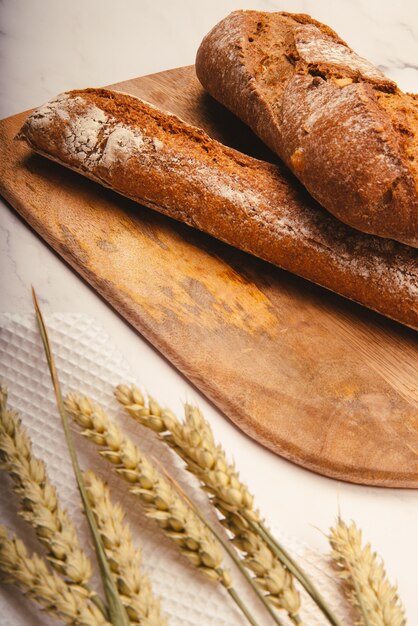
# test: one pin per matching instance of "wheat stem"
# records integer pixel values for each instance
(69, 603)
(363, 573)
(241, 605)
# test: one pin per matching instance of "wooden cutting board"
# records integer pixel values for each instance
(315, 378)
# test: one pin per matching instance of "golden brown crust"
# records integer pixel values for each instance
(344, 129)
(172, 167)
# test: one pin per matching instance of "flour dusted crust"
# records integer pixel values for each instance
(344, 129)
(160, 161)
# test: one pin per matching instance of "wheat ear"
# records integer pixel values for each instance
(39, 500)
(69, 603)
(160, 501)
(193, 440)
(124, 559)
(366, 583)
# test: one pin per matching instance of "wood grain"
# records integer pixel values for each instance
(315, 378)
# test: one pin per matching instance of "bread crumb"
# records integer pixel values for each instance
(297, 160)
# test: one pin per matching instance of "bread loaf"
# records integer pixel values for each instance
(344, 129)
(162, 162)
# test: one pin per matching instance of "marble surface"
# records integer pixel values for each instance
(48, 46)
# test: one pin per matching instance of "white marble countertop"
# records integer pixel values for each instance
(47, 47)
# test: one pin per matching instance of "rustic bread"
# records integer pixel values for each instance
(162, 162)
(344, 129)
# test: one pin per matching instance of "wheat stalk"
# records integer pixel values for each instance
(193, 440)
(160, 500)
(363, 573)
(39, 500)
(69, 603)
(115, 608)
(124, 559)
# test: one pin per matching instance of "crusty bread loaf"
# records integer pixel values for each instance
(168, 165)
(344, 129)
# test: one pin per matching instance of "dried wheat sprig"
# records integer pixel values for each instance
(115, 609)
(39, 500)
(160, 500)
(124, 559)
(193, 440)
(68, 603)
(363, 573)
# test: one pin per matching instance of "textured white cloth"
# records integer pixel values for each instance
(88, 362)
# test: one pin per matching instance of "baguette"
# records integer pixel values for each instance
(345, 130)
(160, 161)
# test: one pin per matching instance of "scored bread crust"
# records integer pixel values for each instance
(344, 129)
(168, 165)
